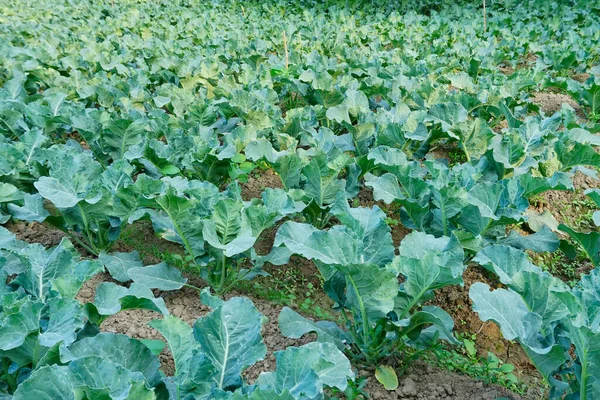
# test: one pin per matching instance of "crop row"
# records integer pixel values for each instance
(98, 133)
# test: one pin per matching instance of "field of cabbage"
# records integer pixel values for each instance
(299, 199)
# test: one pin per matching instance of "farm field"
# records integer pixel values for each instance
(299, 199)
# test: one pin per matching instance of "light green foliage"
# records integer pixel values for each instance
(182, 112)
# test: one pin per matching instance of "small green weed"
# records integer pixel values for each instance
(465, 360)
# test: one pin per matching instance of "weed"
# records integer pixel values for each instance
(465, 360)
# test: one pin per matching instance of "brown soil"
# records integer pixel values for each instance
(506, 69)
(581, 77)
(255, 185)
(455, 300)
(552, 102)
(524, 63)
(500, 126)
(443, 151)
(423, 381)
(35, 232)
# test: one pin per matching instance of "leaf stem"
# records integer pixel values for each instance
(192, 287)
(223, 273)
(86, 228)
(361, 305)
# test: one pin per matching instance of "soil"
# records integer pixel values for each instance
(551, 102)
(255, 185)
(506, 69)
(35, 232)
(422, 381)
(500, 126)
(581, 77)
(455, 300)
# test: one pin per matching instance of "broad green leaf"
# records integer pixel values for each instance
(129, 353)
(111, 298)
(303, 371)
(60, 194)
(118, 264)
(543, 241)
(47, 383)
(159, 276)
(16, 327)
(32, 209)
(384, 187)
(294, 325)
(589, 241)
(578, 155)
(230, 338)
(335, 246)
(180, 338)
(98, 377)
(66, 318)
(507, 309)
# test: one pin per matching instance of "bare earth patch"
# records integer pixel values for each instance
(552, 102)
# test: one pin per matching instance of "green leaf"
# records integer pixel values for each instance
(60, 194)
(386, 375)
(370, 290)
(230, 338)
(537, 221)
(589, 241)
(474, 137)
(47, 383)
(159, 276)
(32, 209)
(9, 193)
(180, 339)
(335, 246)
(121, 134)
(17, 326)
(507, 309)
(131, 354)
(578, 155)
(44, 267)
(100, 377)
(447, 114)
(384, 187)
(294, 325)
(542, 241)
(155, 346)
(66, 318)
(304, 371)
(111, 298)
(118, 264)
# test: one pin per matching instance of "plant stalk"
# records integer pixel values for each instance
(285, 49)
(484, 17)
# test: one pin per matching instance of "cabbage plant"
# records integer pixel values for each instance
(380, 296)
(557, 326)
(217, 229)
(40, 316)
(209, 360)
